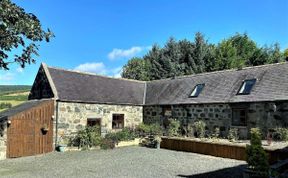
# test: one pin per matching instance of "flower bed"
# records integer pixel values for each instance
(222, 148)
(134, 142)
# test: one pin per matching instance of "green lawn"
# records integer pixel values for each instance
(14, 95)
(13, 102)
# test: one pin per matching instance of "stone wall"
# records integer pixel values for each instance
(263, 115)
(217, 115)
(268, 115)
(3, 139)
(73, 116)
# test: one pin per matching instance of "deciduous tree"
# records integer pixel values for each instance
(19, 30)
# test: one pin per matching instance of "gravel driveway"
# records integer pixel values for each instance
(122, 162)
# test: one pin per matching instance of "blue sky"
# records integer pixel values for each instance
(100, 36)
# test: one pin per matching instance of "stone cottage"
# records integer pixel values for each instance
(87, 99)
(250, 97)
(244, 98)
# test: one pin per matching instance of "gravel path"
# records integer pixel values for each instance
(122, 162)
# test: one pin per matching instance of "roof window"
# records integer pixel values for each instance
(197, 90)
(246, 87)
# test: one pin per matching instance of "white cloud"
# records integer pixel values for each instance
(116, 72)
(7, 76)
(98, 68)
(126, 53)
(19, 70)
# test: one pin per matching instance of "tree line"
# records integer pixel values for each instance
(184, 57)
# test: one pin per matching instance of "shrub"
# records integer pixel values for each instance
(256, 157)
(152, 129)
(113, 138)
(143, 129)
(200, 128)
(107, 143)
(155, 129)
(216, 133)
(173, 128)
(281, 134)
(233, 134)
(87, 137)
(190, 130)
(5, 105)
(126, 134)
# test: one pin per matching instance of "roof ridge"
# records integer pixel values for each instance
(219, 71)
(94, 74)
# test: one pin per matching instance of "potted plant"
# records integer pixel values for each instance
(256, 157)
(44, 128)
(200, 128)
(62, 144)
(157, 140)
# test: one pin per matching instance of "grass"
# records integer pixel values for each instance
(8, 89)
(13, 102)
(13, 98)
(14, 94)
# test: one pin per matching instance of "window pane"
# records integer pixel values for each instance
(247, 86)
(118, 121)
(197, 90)
(94, 122)
(239, 117)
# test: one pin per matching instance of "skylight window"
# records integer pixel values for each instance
(246, 87)
(197, 90)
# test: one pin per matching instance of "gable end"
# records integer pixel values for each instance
(41, 87)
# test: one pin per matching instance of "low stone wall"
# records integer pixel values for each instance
(3, 139)
(73, 116)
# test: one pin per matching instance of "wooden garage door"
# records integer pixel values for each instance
(27, 134)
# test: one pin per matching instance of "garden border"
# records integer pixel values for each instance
(218, 149)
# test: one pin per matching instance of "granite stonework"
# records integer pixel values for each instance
(3, 139)
(262, 115)
(73, 116)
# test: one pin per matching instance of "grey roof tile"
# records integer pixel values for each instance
(83, 87)
(222, 86)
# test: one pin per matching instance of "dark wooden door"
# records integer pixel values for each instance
(31, 131)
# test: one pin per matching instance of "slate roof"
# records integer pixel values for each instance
(20, 108)
(84, 87)
(222, 86)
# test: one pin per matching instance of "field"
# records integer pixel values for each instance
(12, 95)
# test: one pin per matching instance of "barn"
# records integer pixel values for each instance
(27, 129)
(62, 102)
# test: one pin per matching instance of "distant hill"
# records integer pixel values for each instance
(10, 89)
(12, 95)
